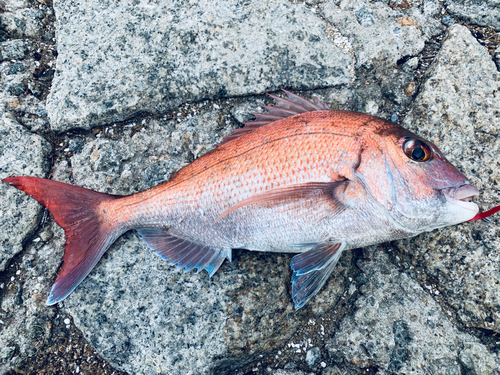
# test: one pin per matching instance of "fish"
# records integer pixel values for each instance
(301, 178)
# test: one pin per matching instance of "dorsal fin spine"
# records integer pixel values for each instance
(284, 108)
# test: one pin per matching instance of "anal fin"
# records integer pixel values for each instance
(311, 270)
(183, 253)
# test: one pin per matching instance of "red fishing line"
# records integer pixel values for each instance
(485, 214)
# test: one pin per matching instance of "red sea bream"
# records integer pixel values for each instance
(301, 179)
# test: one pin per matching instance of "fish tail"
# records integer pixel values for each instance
(89, 222)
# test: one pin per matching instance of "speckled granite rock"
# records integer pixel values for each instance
(21, 153)
(19, 20)
(459, 109)
(384, 41)
(25, 320)
(123, 58)
(398, 328)
(377, 34)
(496, 56)
(483, 13)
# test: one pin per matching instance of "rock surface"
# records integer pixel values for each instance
(424, 305)
(176, 52)
(483, 13)
(21, 153)
(459, 109)
(398, 328)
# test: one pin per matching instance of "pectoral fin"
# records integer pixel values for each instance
(311, 270)
(309, 190)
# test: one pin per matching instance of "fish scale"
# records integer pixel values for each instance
(315, 183)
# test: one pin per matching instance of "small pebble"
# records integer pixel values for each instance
(447, 21)
(313, 356)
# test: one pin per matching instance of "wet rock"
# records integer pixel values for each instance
(21, 154)
(483, 13)
(152, 61)
(399, 328)
(458, 109)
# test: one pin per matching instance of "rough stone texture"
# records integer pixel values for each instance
(25, 320)
(377, 34)
(20, 20)
(380, 38)
(162, 54)
(483, 13)
(459, 109)
(12, 49)
(398, 328)
(21, 154)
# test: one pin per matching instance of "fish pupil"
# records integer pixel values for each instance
(418, 154)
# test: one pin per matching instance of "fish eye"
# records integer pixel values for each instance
(417, 150)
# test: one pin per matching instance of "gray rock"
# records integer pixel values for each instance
(16, 89)
(386, 34)
(26, 320)
(331, 370)
(483, 13)
(447, 21)
(400, 329)
(15, 68)
(21, 154)
(12, 49)
(287, 372)
(152, 61)
(410, 65)
(22, 21)
(458, 109)
(313, 357)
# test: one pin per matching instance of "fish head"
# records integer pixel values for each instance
(414, 181)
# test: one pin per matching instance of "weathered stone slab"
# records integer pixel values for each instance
(483, 13)
(21, 154)
(459, 109)
(400, 329)
(121, 58)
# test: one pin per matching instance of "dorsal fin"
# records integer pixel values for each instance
(284, 108)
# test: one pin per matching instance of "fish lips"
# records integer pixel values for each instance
(459, 197)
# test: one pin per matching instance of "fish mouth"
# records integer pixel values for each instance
(462, 196)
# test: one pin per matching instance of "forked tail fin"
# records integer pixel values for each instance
(89, 232)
